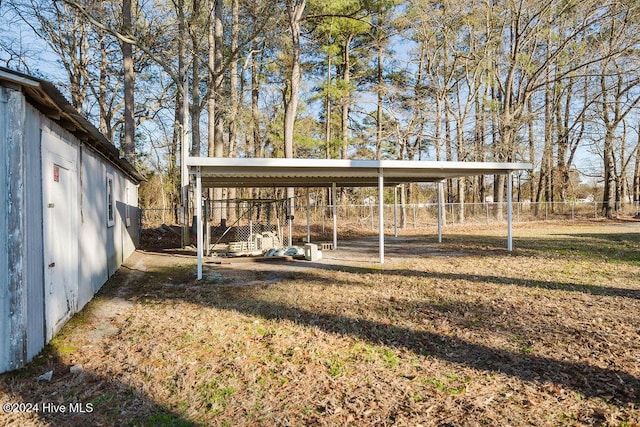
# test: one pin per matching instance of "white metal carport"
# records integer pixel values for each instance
(210, 172)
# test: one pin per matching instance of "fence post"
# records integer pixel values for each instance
(486, 208)
(395, 211)
(373, 223)
(546, 210)
(572, 210)
(414, 215)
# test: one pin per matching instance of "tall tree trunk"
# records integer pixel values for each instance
(295, 9)
(460, 154)
(379, 90)
(448, 152)
(546, 163)
(437, 129)
(636, 174)
(438, 141)
(532, 149)
(211, 99)
(608, 199)
(128, 146)
(327, 107)
(256, 145)
(480, 142)
(216, 124)
(174, 172)
(196, 108)
(346, 97)
(105, 122)
(255, 112)
(218, 34)
(420, 95)
(233, 98)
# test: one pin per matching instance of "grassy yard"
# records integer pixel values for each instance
(458, 333)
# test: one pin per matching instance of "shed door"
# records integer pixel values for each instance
(61, 241)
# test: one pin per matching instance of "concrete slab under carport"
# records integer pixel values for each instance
(211, 172)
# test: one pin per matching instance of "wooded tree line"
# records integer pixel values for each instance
(477, 80)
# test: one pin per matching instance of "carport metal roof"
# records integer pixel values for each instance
(254, 172)
(261, 172)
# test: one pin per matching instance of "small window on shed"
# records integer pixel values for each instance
(110, 202)
(127, 210)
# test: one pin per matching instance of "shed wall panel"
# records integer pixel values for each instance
(112, 259)
(15, 244)
(131, 230)
(118, 255)
(93, 225)
(4, 280)
(124, 203)
(34, 273)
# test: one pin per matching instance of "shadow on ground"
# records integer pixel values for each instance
(80, 398)
(613, 385)
(114, 402)
(591, 381)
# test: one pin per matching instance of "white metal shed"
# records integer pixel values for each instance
(68, 217)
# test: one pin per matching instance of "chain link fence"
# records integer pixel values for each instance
(246, 221)
(420, 214)
(269, 215)
(252, 220)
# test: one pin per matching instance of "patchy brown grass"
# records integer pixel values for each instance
(459, 333)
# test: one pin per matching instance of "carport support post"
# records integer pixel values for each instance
(440, 198)
(395, 210)
(290, 206)
(334, 200)
(308, 217)
(207, 228)
(509, 211)
(381, 215)
(199, 221)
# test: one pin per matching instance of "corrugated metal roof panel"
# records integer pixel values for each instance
(247, 172)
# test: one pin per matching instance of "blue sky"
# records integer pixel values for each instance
(42, 62)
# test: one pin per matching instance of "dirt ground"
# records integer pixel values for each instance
(458, 333)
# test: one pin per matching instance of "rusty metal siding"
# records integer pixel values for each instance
(21, 280)
(17, 349)
(34, 274)
(4, 258)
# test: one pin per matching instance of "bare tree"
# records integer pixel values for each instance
(128, 146)
(295, 10)
(619, 83)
